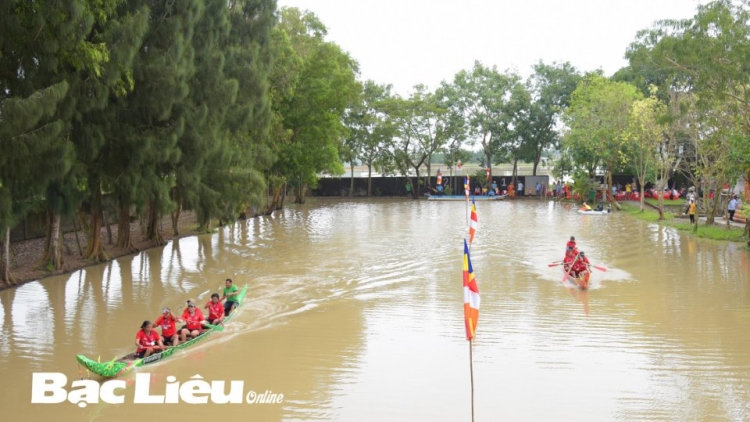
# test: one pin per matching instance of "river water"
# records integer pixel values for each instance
(354, 313)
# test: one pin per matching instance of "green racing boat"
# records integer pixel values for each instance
(125, 364)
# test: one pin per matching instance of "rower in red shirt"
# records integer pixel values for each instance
(571, 243)
(215, 309)
(570, 256)
(168, 323)
(194, 321)
(147, 340)
(581, 265)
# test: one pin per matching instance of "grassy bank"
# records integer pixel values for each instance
(709, 232)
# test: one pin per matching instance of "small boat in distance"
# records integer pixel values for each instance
(593, 212)
(463, 197)
(127, 363)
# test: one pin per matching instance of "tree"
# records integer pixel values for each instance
(551, 87)
(310, 101)
(26, 130)
(644, 137)
(707, 54)
(369, 130)
(597, 119)
(484, 97)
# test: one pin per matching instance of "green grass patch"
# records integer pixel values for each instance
(714, 232)
(667, 202)
(710, 232)
(648, 213)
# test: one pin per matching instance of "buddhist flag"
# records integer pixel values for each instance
(473, 222)
(471, 296)
(467, 186)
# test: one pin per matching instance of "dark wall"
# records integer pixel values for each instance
(396, 186)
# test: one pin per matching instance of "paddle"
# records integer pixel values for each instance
(599, 268)
(570, 268)
(555, 264)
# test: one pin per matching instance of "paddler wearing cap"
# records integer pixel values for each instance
(194, 321)
(168, 323)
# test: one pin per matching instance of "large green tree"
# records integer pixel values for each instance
(490, 102)
(598, 118)
(551, 86)
(314, 84)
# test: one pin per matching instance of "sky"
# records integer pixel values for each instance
(408, 42)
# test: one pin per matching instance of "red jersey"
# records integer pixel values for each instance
(215, 311)
(146, 340)
(193, 322)
(168, 325)
(580, 265)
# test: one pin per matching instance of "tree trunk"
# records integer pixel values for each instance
(52, 254)
(152, 232)
(351, 181)
(276, 199)
(94, 248)
(280, 205)
(712, 207)
(302, 193)
(660, 194)
(369, 181)
(641, 182)
(537, 158)
(177, 198)
(123, 226)
(612, 198)
(6, 278)
(109, 229)
(75, 231)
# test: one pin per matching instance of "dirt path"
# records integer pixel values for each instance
(25, 255)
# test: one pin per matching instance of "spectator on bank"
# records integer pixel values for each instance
(691, 211)
(732, 207)
(538, 189)
(520, 188)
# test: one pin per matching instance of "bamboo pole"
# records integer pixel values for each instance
(471, 370)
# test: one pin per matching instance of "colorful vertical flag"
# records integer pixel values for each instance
(439, 177)
(473, 222)
(467, 186)
(471, 296)
(487, 172)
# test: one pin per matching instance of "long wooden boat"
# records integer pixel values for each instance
(463, 197)
(128, 362)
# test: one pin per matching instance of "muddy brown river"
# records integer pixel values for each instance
(355, 313)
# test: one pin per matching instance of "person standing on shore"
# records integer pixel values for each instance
(732, 207)
(691, 211)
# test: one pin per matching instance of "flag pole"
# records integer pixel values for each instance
(471, 370)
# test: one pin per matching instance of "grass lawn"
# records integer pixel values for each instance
(709, 232)
(667, 202)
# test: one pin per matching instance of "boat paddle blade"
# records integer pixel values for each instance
(554, 264)
(599, 268)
